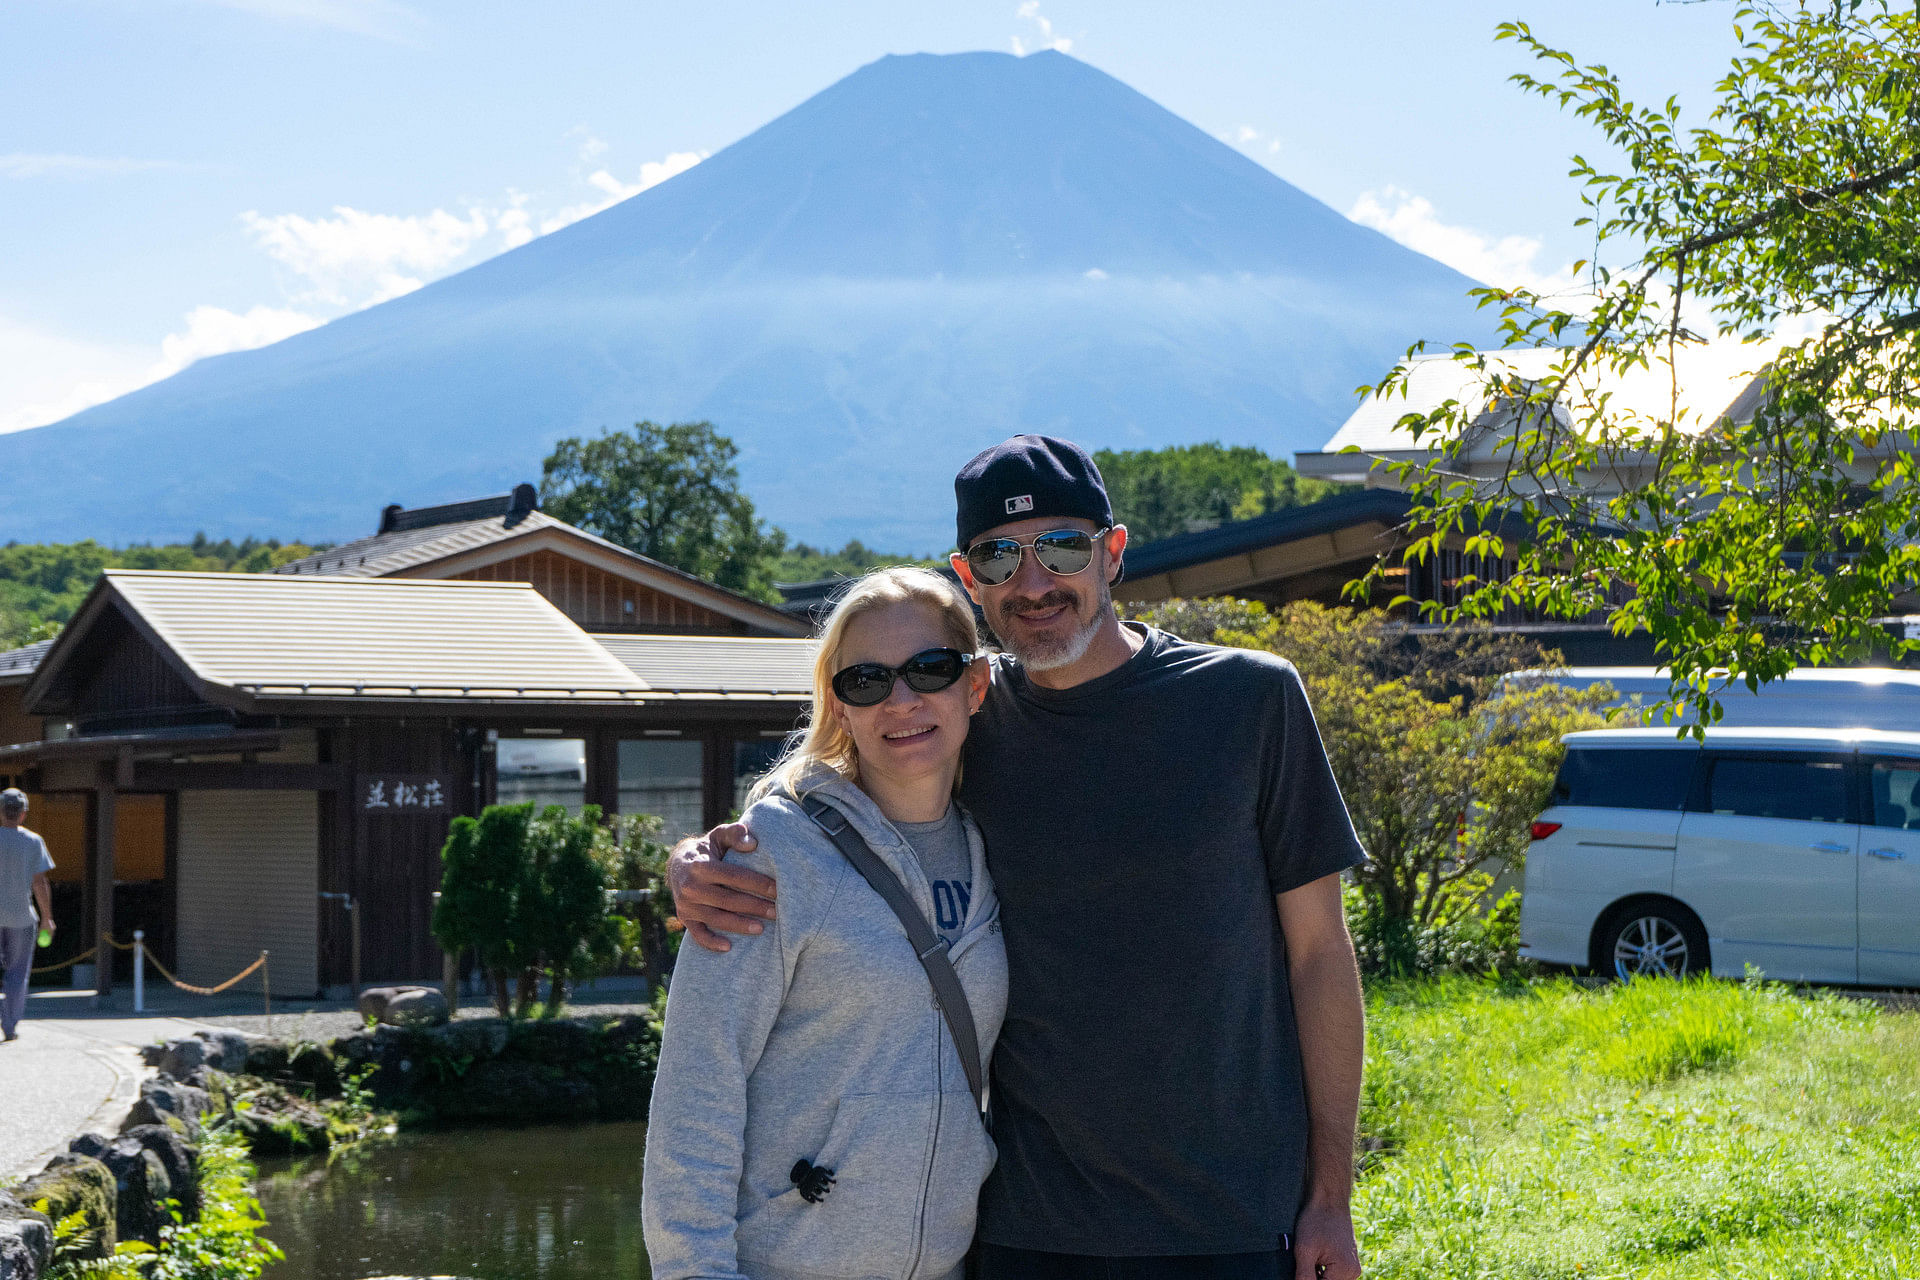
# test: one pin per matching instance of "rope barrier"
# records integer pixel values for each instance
(188, 986)
(70, 960)
(155, 962)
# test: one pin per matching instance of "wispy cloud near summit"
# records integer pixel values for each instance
(1047, 39)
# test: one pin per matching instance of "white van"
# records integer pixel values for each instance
(1795, 851)
(1811, 697)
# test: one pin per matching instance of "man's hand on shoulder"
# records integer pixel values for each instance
(713, 897)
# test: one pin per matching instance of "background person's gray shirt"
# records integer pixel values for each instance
(1147, 1094)
(23, 855)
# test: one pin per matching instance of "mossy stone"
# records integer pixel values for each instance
(79, 1184)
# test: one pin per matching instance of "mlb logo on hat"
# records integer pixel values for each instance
(1022, 503)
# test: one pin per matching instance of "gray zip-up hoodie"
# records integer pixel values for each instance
(819, 1040)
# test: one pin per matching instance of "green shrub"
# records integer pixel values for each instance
(1465, 935)
(527, 892)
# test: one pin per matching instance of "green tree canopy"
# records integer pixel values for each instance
(1750, 543)
(1160, 492)
(803, 563)
(41, 584)
(671, 493)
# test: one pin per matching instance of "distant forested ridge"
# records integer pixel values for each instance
(42, 583)
(1158, 493)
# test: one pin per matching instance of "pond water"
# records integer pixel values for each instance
(490, 1204)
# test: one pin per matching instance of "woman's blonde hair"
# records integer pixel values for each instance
(823, 740)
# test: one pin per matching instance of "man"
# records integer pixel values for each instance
(1176, 1087)
(24, 863)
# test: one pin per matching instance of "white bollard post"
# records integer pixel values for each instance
(139, 971)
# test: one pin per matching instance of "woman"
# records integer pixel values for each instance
(811, 1115)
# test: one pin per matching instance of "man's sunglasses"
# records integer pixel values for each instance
(868, 684)
(1061, 552)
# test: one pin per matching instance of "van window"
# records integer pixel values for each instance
(1620, 779)
(1896, 794)
(1759, 787)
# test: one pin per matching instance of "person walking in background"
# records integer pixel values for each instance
(24, 863)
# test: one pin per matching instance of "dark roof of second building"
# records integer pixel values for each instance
(1286, 525)
(16, 665)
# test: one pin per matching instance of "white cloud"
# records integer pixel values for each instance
(1254, 142)
(1030, 10)
(337, 263)
(26, 164)
(214, 331)
(613, 190)
(1507, 261)
(359, 258)
(46, 376)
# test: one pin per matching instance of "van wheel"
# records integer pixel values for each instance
(1654, 940)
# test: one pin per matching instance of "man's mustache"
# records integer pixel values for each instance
(1056, 598)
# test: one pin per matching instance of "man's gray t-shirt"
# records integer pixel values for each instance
(1147, 1087)
(23, 855)
(941, 846)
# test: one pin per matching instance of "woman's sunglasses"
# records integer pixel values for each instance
(868, 684)
(1061, 552)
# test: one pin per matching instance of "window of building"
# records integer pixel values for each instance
(662, 776)
(542, 770)
(751, 760)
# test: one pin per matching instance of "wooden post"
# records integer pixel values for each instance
(450, 981)
(105, 799)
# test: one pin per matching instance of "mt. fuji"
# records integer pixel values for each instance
(931, 254)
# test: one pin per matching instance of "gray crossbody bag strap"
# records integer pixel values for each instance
(928, 945)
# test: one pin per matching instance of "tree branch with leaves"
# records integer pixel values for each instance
(1749, 538)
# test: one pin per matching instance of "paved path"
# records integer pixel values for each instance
(74, 1068)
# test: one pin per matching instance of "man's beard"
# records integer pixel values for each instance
(1051, 654)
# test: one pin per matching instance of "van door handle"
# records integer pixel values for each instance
(1827, 846)
(1887, 853)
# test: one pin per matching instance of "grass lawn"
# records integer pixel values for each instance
(1658, 1129)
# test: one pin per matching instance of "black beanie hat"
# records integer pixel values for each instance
(1024, 477)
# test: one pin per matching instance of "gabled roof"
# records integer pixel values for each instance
(432, 542)
(241, 639)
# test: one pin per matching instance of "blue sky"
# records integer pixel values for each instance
(184, 177)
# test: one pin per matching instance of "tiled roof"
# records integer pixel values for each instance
(388, 553)
(746, 666)
(391, 638)
(18, 664)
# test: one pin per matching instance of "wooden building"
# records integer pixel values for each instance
(211, 755)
